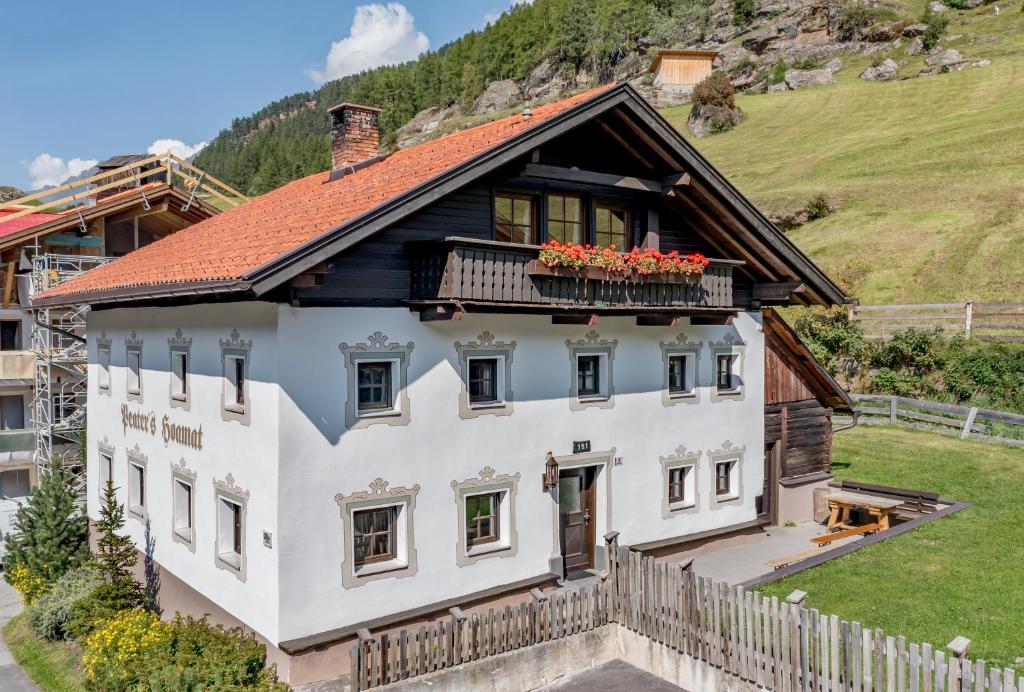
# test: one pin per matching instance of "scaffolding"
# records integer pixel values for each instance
(61, 367)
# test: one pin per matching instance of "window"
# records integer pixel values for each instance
(182, 501)
(134, 372)
(565, 218)
(103, 356)
(723, 378)
(179, 375)
(374, 386)
(12, 412)
(723, 478)
(15, 483)
(482, 519)
(229, 532)
(10, 335)
(374, 535)
(677, 484)
(677, 375)
(136, 488)
(483, 381)
(234, 391)
(588, 375)
(612, 227)
(514, 219)
(106, 471)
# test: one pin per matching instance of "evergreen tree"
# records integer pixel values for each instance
(50, 534)
(115, 553)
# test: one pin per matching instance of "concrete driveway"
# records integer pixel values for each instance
(12, 677)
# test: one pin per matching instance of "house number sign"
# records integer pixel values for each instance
(146, 422)
(580, 446)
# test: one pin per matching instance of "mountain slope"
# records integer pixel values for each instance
(926, 173)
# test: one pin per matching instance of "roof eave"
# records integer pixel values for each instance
(137, 294)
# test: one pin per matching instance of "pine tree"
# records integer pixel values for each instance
(115, 553)
(51, 533)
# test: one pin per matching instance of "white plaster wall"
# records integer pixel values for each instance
(319, 458)
(249, 453)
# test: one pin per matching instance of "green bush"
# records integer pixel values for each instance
(53, 615)
(743, 12)
(714, 90)
(201, 656)
(835, 340)
(818, 207)
(778, 75)
(937, 24)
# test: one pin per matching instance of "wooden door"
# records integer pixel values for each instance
(768, 503)
(576, 518)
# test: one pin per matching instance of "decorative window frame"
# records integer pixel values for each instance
(103, 346)
(727, 452)
(178, 344)
(181, 472)
(377, 349)
(133, 344)
(486, 347)
(692, 350)
(680, 458)
(592, 345)
(104, 448)
(487, 482)
(136, 457)
(734, 346)
(379, 496)
(238, 348)
(230, 491)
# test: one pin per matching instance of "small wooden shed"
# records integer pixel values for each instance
(682, 68)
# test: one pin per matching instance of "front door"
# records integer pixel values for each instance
(576, 518)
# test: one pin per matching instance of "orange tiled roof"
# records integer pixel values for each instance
(234, 243)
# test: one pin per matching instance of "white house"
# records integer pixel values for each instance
(359, 400)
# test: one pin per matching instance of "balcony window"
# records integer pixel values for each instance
(565, 218)
(10, 335)
(612, 227)
(12, 412)
(514, 219)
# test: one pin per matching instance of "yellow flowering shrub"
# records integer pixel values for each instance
(30, 586)
(113, 652)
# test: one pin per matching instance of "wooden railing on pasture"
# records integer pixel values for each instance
(984, 321)
(965, 422)
(166, 168)
(774, 645)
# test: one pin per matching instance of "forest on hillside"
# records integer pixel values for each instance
(289, 139)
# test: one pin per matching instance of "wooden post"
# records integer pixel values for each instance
(968, 317)
(8, 284)
(892, 410)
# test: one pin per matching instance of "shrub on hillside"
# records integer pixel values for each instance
(743, 12)
(937, 24)
(818, 207)
(115, 655)
(714, 90)
(52, 616)
(778, 75)
(835, 340)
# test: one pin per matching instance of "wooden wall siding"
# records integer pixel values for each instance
(769, 644)
(683, 70)
(807, 447)
(378, 271)
(491, 272)
(679, 234)
(782, 382)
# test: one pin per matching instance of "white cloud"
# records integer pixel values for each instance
(379, 35)
(47, 170)
(176, 147)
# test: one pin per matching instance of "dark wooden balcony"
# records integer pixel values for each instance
(482, 275)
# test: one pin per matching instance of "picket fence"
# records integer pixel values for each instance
(767, 643)
(962, 421)
(984, 321)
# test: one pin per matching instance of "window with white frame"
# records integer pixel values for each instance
(136, 487)
(724, 376)
(679, 482)
(103, 360)
(378, 533)
(486, 520)
(727, 476)
(592, 381)
(375, 387)
(486, 376)
(235, 360)
(106, 474)
(377, 382)
(183, 510)
(235, 379)
(134, 372)
(230, 532)
(725, 486)
(179, 375)
(728, 368)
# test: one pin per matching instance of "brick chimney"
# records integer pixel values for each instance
(354, 135)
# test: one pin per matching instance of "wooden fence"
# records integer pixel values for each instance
(984, 321)
(963, 421)
(771, 644)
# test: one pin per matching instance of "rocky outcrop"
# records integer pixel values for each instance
(937, 7)
(708, 120)
(796, 79)
(834, 65)
(8, 193)
(916, 46)
(545, 82)
(424, 125)
(498, 96)
(915, 30)
(947, 56)
(882, 72)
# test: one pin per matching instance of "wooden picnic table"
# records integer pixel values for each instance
(841, 505)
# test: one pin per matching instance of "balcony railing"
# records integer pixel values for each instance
(464, 270)
(17, 365)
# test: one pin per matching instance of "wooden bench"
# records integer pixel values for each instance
(780, 562)
(845, 533)
(919, 501)
(843, 503)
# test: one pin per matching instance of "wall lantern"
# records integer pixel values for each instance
(550, 472)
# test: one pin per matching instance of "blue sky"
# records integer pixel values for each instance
(83, 81)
